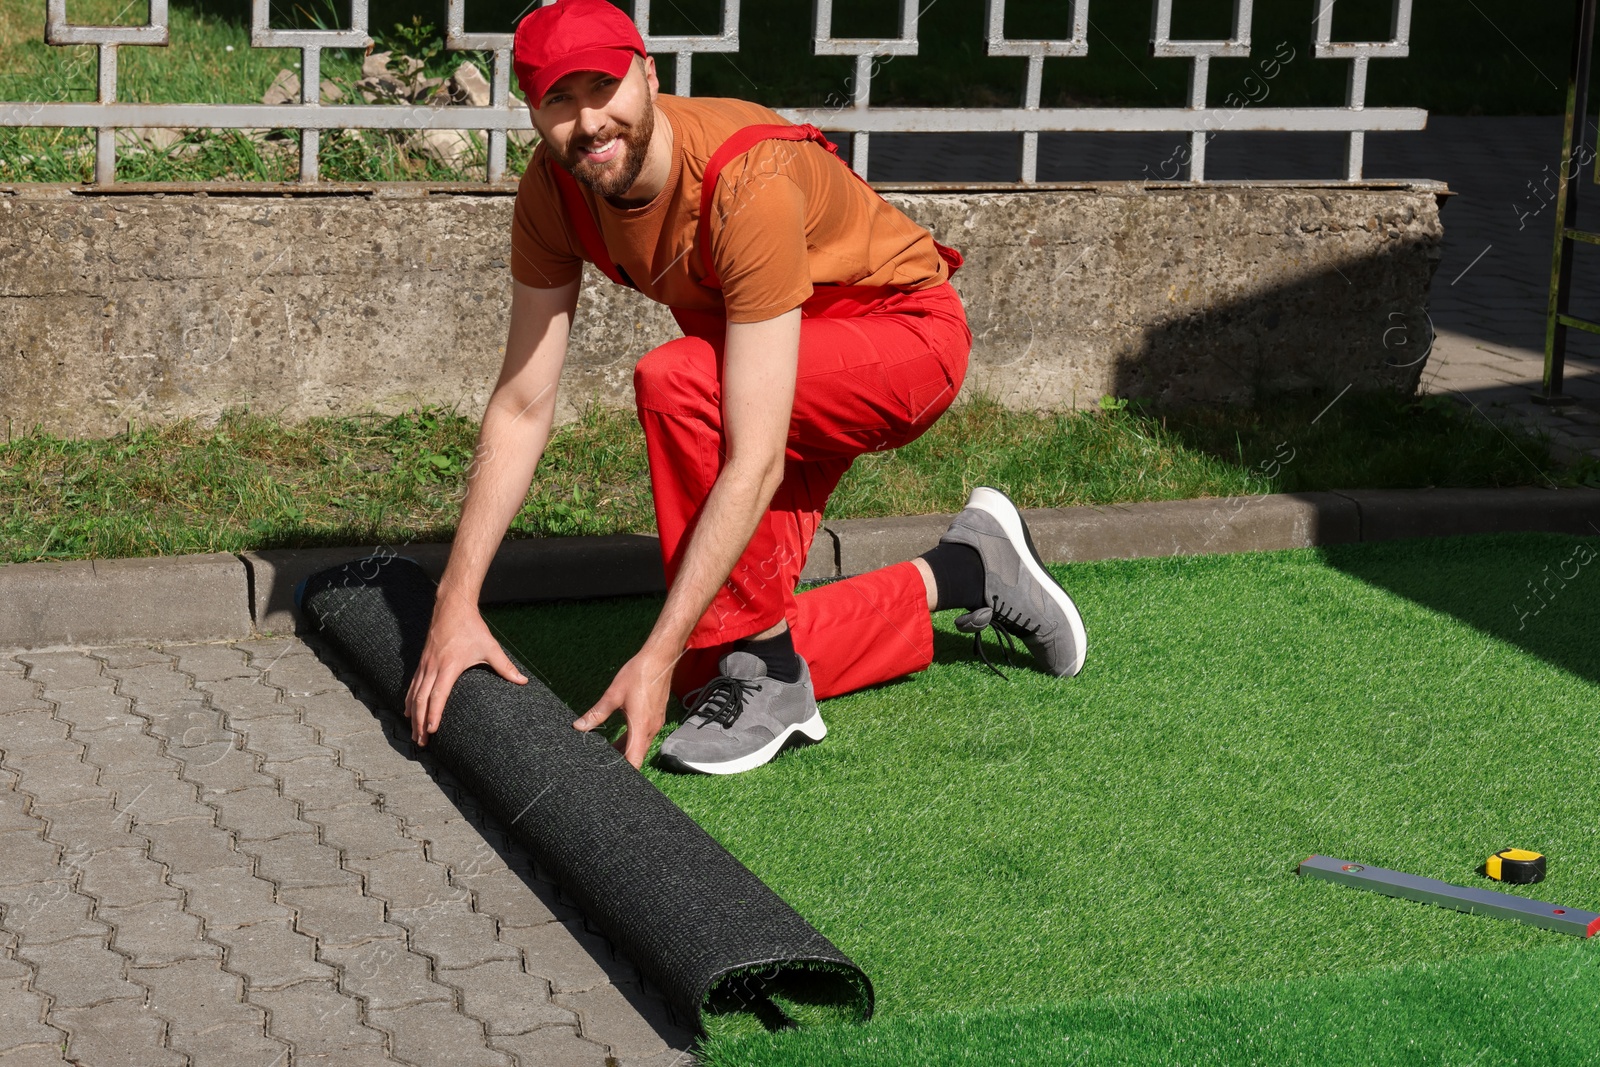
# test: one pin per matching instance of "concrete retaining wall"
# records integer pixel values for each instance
(152, 307)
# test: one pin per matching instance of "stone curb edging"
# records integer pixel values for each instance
(220, 596)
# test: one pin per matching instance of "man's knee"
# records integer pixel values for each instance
(678, 378)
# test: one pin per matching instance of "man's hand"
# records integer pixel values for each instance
(457, 639)
(640, 689)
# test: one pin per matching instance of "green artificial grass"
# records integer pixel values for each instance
(253, 481)
(1113, 855)
(1535, 1006)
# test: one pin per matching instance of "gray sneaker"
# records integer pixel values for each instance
(742, 718)
(1023, 599)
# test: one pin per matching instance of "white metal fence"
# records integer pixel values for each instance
(1199, 119)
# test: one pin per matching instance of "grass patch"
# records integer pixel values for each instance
(1035, 867)
(210, 60)
(1523, 1007)
(251, 481)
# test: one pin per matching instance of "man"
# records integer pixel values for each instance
(819, 325)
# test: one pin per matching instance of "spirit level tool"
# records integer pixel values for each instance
(1446, 895)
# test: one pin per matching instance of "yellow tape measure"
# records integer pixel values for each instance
(1515, 866)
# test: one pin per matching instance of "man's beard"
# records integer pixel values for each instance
(613, 178)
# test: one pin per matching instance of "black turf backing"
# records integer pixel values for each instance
(692, 918)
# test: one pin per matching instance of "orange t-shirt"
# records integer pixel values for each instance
(788, 215)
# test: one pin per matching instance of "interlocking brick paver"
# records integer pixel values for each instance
(126, 752)
(362, 831)
(233, 1045)
(89, 710)
(263, 652)
(87, 825)
(155, 796)
(227, 768)
(114, 1034)
(432, 911)
(336, 714)
(341, 916)
(16, 808)
(158, 682)
(122, 657)
(193, 846)
(173, 719)
(271, 954)
(156, 933)
(416, 798)
(302, 676)
(386, 974)
(229, 896)
(47, 912)
(62, 670)
(212, 663)
(316, 1019)
(34, 734)
(257, 814)
(244, 699)
(377, 760)
(507, 999)
(318, 783)
(21, 1019)
(605, 1016)
(554, 1046)
(34, 1056)
(299, 861)
(407, 881)
(436, 1035)
(196, 995)
(79, 972)
(453, 934)
(18, 694)
(29, 858)
(570, 958)
(281, 738)
(120, 877)
(515, 900)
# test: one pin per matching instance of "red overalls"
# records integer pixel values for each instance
(877, 366)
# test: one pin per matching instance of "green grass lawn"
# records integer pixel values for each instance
(1101, 869)
(252, 481)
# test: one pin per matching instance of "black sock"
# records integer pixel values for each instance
(777, 652)
(957, 575)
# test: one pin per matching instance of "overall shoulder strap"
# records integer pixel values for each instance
(742, 141)
(588, 229)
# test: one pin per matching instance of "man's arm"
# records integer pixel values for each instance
(759, 370)
(516, 428)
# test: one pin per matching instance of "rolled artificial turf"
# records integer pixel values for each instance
(1003, 854)
(693, 919)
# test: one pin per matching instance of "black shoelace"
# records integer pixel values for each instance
(1007, 621)
(720, 700)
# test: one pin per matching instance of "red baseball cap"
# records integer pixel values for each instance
(552, 42)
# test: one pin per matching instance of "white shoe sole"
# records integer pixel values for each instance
(997, 504)
(813, 728)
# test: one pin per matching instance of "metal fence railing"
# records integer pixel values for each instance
(1199, 118)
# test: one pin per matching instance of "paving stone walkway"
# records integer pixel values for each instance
(216, 854)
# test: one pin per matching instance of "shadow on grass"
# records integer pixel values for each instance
(1550, 611)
